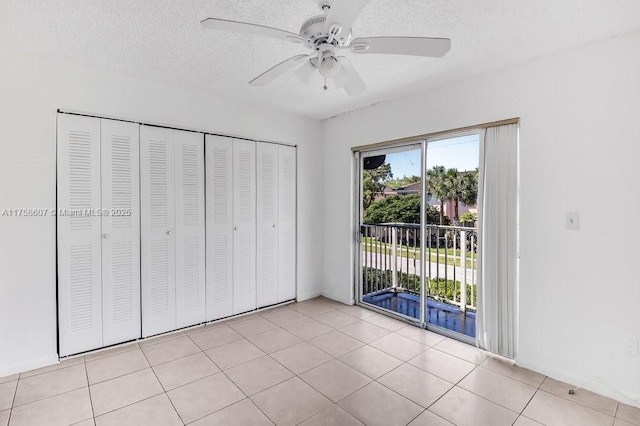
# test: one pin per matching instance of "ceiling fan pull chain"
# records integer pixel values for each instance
(325, 83)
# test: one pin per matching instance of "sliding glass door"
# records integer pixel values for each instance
(389, 269)
(416, 252)
(451, 235)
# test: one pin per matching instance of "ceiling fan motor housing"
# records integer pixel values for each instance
(314, 32)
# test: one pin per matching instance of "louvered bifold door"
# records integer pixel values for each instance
(244, 234)
(79, 229)
(190, 233)
(286, 223)
(120, 231)
(157, 230)
(267, 224)
(219, 187)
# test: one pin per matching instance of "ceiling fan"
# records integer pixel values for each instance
(328, 34)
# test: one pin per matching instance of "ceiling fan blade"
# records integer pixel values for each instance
(243, 27)
(306, 72)
(344, 76)
(277, 71)
(344, 13)
(349, 78)
(415, 46)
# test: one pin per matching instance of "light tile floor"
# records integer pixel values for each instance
(312, 363)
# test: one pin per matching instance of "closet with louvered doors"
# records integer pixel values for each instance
(134, 259)
(231, 226)
(98, 226)
(276, 223)
(251, 212)
(173, 229)
(286, 225)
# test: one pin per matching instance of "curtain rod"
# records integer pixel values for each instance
(426, 136)
(142, 123)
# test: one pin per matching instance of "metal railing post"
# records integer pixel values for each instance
(394, 258)
(463, 264)
(455, 257)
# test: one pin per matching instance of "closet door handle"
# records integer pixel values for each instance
(105, 236)
(169, 232)
(235, 228)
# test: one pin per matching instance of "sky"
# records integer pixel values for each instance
(460, 152)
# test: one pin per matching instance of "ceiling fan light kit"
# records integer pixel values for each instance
(326, 34)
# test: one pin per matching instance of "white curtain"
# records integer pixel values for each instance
(497, 319)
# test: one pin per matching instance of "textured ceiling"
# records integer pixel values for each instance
(161, 40)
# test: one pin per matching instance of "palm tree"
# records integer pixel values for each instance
(452, 185)
(449, 184)
(469, 187)
(436, 186)
(461, 186)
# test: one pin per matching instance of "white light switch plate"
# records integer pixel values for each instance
(572, 221)
(631, 347)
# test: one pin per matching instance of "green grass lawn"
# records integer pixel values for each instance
(436, 255)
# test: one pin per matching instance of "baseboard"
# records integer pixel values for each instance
(589, 383)
(302, 297)
(28, 365)
(336, 298)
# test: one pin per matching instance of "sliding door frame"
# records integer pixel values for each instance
(358, 217)
(398, 145)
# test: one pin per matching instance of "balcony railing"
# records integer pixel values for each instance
(391, 262)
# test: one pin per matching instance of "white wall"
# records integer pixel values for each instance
(31, 91)
(580, 121)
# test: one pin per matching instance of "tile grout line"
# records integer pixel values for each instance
(337, 359)
(309, 384)
(258, 408)
(346, 396)
(494, 402)
(93, 413)
(110, 355)
(456, 356)
(533, 396)
(421, 413)
(562, 395)
(453, 387)
(162, 386)
(58, 368)
(336, 330)
(234, 384)
(425, 408)
(178, 358)
(578, 403)
(119, 375)
(47, 397)
(283, 366)
(487, 399)
(403, 362)
(13, 400)
(151, 341)
(512, 378)
(132, 403)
